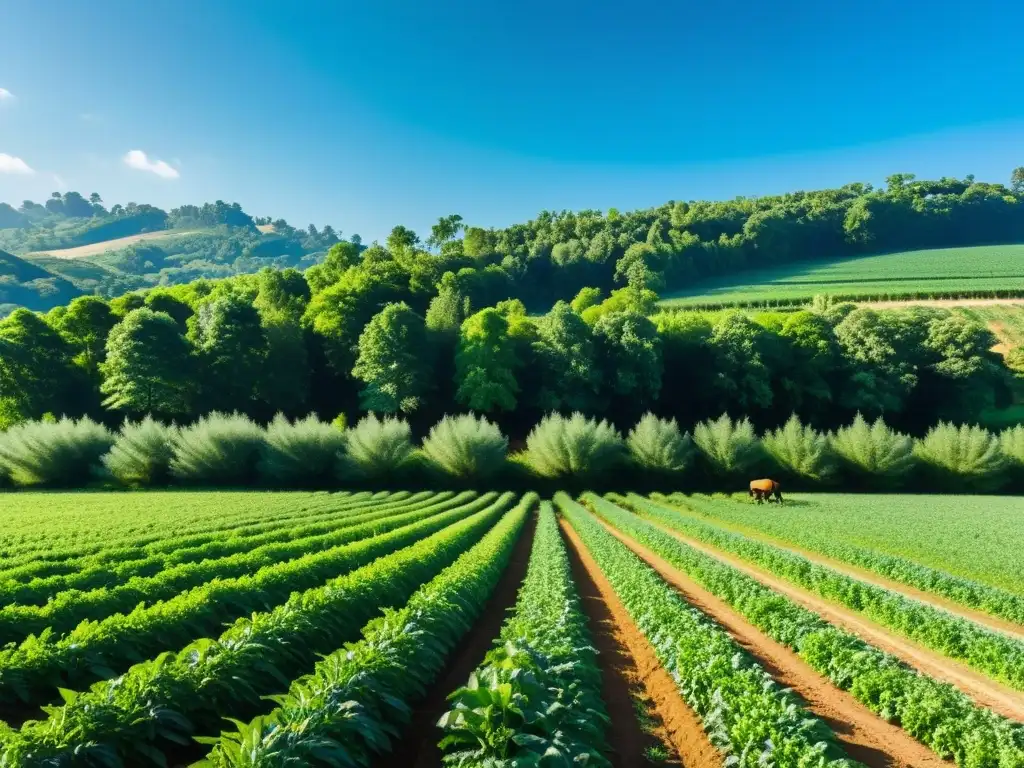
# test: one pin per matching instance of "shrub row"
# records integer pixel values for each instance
(936, 714)
(562, 451)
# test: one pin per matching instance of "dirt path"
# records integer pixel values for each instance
(865, 736)
(996, 624)
(981, 689)
(418, 745)
(628, 658)
(112, 245)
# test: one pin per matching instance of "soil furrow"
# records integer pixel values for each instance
(987, 620)
(864, 736)
(982, 690)
(417, 746)
(628, 656)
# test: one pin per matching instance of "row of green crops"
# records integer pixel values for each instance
(768, 297)
(745, 713)
(65, 610)
(92, 521)
(999, 656)
(92, 572)
(934, 713)
(561, 451)
(100, 649)
(161, 703)
(377, 678)
(536, 699)
(973, 594)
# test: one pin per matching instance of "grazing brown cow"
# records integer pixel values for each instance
(765, 489)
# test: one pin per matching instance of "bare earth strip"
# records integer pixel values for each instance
(994, 623)
(983, 690)
(110, 245)
(683, 727)
(864, 736)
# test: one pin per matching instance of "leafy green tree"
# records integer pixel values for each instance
(1017, 180)
(565, 349)
(147, 368)
(339, 259)
(741, 375)
(392, 363)
(800, 451)
(231, 350)
(446, 229)
(585, 299)
(163, 301)
(86, 324)
(963, 458)
(402, 239)
(448, 308)
(486, 363)
(729, 448)
(35, 370)
(630, 353)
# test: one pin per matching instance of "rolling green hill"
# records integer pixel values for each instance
(987, 270)
(23, 283)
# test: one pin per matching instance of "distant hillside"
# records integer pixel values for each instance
(25, 284)
(71, 245)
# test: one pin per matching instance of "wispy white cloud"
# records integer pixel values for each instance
(61, 184)
(138, 160)
(14, 165)
(5, 95)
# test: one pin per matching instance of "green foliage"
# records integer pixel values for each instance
(573, 447)
(53, 453)
(219, 449)
(377, 452)
(874, 453)
(730, 449)
(340, 422)
(392, 362)
(629, 346)
(486, 363)
(964, 457)
(537, 696)
(300, 454)
(740, 706)
(467, 447)
(147, 366)
(658, 446)
(142, 452)
(231, 346)
(800, 451)
(585, 299)
(565, 349)
(936, 714)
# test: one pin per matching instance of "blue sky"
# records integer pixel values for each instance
(365, 115)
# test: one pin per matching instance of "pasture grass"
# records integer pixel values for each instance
(977, 537)
(939, 271)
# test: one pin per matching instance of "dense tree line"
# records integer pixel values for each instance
(427, 328)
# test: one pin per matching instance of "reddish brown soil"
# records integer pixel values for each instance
(628, 657)
(418, 744)
(1005, 626)
(983, 690)
(864, 736)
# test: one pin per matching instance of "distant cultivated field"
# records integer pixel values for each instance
(112, 245)
(910, 274)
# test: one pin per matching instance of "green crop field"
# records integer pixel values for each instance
(947, 272)
(467, 629)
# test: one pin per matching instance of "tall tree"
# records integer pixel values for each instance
(231, 350)
(630, 353)
(35, 370)
(486, 363)
(86, 324)
(571, 378)
(147, 368)
(391, 363)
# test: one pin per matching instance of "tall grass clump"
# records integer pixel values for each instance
(874, 454)
(466, 447)
(962, 458)
(219, 449)
(53, 453)
(573, 447)
(142, 453)
(800, 451)
(658, 446)
(1011, 442)
(729, 448)
(300, 454)
(377, 452)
